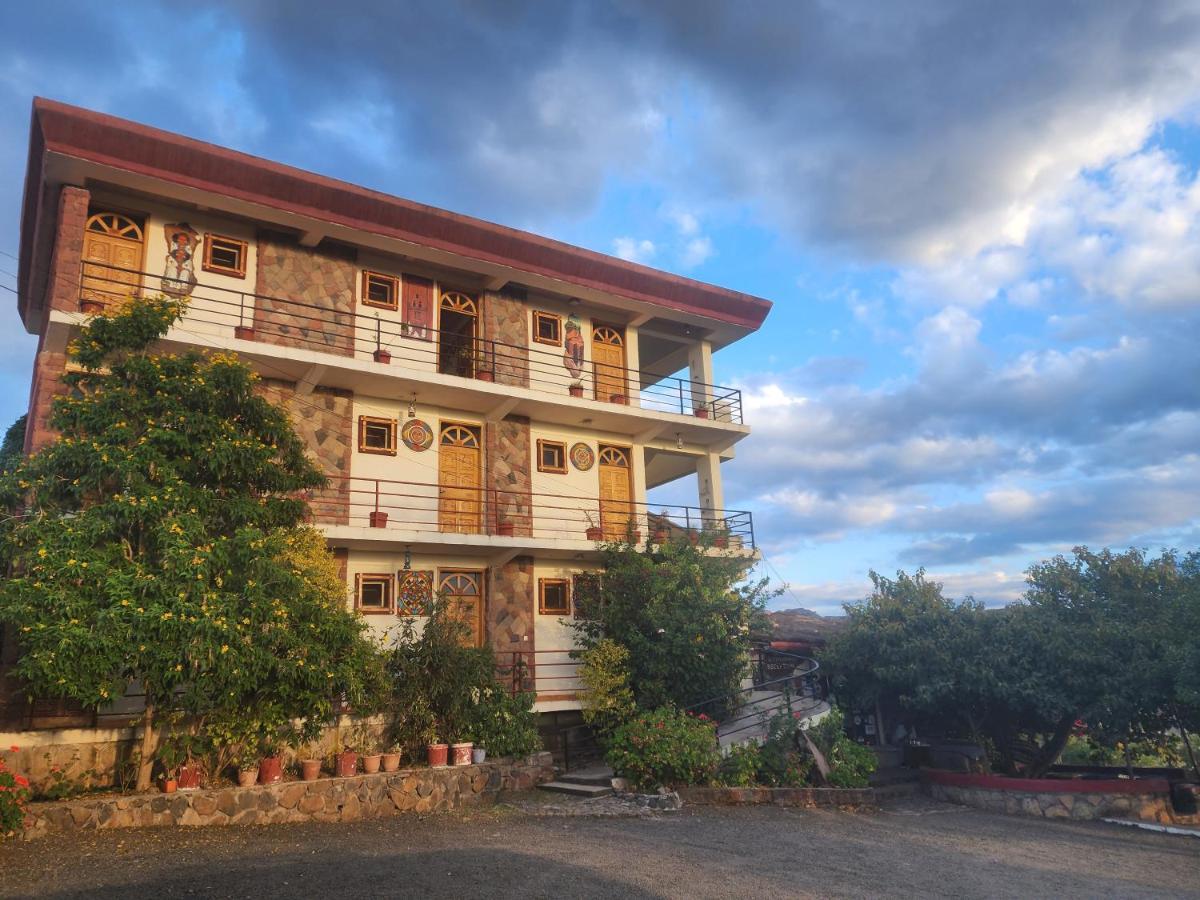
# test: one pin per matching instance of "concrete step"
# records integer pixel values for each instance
(894, 775)
(595, 775)
(576, 790)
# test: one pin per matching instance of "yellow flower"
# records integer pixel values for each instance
(224, 648)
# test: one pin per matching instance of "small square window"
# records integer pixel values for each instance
(225, 255)
(547, 328)
(553, 599)
(380, 290)
(373, 593)
(552, 457)
(376, 435)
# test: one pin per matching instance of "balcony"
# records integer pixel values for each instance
(363, 510)
(552, 675)
(217, 316)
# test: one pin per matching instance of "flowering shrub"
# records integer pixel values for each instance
(504, 724)
(739, 768)
(14, 795)
(665, 747)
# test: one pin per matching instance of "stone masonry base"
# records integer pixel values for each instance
(420, 790)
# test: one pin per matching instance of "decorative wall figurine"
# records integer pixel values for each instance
(573, 346)
(179, 275)
(417, 435)
(582, 456)
(416, 591)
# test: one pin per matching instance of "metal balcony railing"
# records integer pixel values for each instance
(549, 674)
(432, 507)
(219, 311)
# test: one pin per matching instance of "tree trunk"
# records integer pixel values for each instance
(818, 757)
(1187, 743)
(149, 748)
(1053, 749)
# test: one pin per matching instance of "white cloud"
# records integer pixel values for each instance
(634, 250)
(696, 252)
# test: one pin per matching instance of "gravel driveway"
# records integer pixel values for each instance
(913, 848)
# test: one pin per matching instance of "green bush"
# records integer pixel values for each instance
(739, 767)
(850, 764)
(780, 762)
(665, 747)
(607, 697)
(504, 724)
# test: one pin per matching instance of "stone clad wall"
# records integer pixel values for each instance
(324, 800)
(323, 279)
(506, 320)
(509, 456)
(510, 608)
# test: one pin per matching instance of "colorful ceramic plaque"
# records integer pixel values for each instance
(417, 435)
(582, 456)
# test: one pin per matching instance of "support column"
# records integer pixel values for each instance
(712, 495)
(633, 364)
(701, 374)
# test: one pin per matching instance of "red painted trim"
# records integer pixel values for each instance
(1048, 785)
(107, 140)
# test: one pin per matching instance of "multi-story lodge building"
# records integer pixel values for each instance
(487, 403)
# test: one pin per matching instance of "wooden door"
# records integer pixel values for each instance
(462, 590)
(460, 498)
(616, 492)
(458, 326)
(608, 362)
(112, 257)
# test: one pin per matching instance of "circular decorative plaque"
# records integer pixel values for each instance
(582, 456)
(417, 435)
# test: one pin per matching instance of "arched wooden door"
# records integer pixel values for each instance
(463, 591)
(616, 492)
(608, 362)
(460, 498)
(112, 257)
(458, 326)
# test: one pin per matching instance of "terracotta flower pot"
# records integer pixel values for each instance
(485, 376)
(168, 785)
(701, 412)
(575, 390)
(243, 332)
(391, 762)
(721, 541)
(377, 518)
(437, 753)
(504, 529)
(270, 770)
(371, 763)
(595, 533)
(247, 777)
(382, 356)
(189, 778)
(310, 769)
(659, 536)
(478, 755)
(461, 753)
(347, 764)
(91, 306)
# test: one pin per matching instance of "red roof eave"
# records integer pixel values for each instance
(121, 144)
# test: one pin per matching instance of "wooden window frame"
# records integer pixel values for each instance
(392, 426)
(394, 285)
(543, 583)
(538, 318)
(243, 248)
(384, 578)
(562, 447)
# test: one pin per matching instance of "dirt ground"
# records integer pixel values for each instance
(912, 848)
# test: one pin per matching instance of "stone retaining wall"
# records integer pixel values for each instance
(842, 798)
(420, 790)
(1147, 800)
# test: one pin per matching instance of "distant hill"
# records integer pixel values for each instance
(803, 626)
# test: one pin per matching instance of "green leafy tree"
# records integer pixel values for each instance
(159, 544)
(13, 445)
(685, 618)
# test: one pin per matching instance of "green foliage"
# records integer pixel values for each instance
(607, 697)
(739, 767)
(14, 799)
(162, 542)
(685, 619)
(850, 764)
(434, 679)
(780, 762)
(1109, 638)
(13, 446)
(665, 747)
(503, 723)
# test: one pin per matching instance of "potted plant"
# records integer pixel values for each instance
(243, 332)
(345, 760)
(618, 398)
(575, 388)
(310, 765)
(247, 766)
(191, 769)
(270, 766)
(91, 305)
(371, 758)
(382, 356)
(391, 758)
(460, 753)
(437, 751)
(504, 528)
(659, 535)
(594, 531)
(701, 411)
(478, 755)
(377, 518)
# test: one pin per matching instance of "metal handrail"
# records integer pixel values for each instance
(365, 335)
(727, 708)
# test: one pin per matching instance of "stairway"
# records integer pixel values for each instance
(593, 781)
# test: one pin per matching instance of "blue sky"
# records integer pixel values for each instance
(978, 222)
